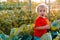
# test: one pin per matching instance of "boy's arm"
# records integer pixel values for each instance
(43, 27)
(38, 22)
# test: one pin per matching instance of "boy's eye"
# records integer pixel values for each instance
(40, 10)
(43, 10)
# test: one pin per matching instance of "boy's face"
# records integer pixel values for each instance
(42, 11)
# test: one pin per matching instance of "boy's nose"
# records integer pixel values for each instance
(43, 12)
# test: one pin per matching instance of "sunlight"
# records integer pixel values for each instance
(3, 0)
(51, 1)
(21, 0)
(44, 1)
(36, 1)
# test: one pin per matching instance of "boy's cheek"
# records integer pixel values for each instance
(41, 13)
(38, 13)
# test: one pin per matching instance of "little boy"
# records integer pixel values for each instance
(41, 24)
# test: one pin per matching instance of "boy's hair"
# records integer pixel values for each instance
(42, 6)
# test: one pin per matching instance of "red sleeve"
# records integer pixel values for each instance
(37, 22)
(40, 22)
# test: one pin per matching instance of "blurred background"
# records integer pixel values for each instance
(21, 13)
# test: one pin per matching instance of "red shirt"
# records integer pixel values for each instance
(39, 22)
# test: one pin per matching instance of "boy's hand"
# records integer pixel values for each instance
(47, 26)
(43, 27)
